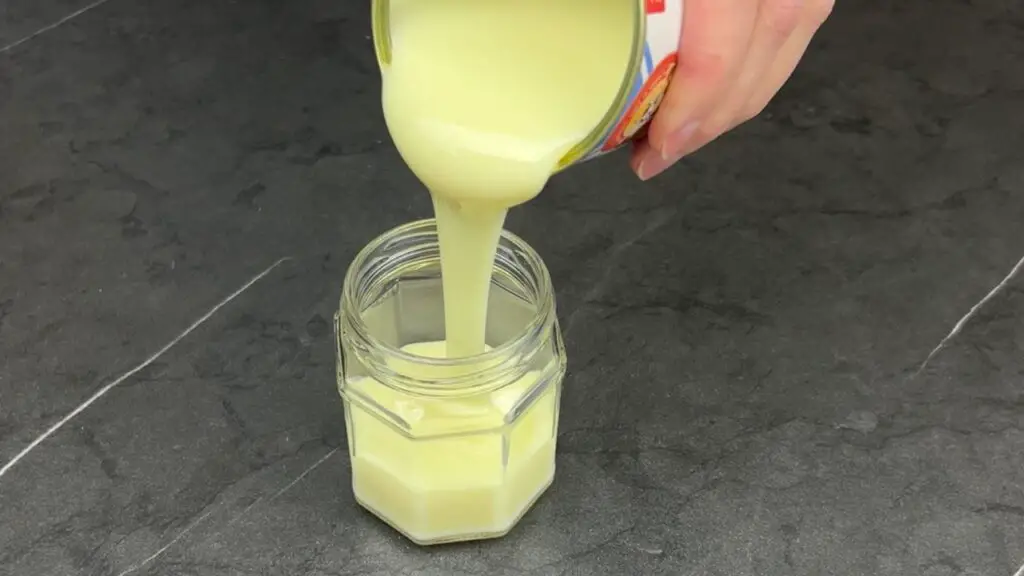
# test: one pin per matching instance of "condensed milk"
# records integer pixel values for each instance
(447, 449)
(485, 100)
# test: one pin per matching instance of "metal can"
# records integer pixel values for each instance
(657, 27)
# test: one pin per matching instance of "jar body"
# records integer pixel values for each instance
(447, 450)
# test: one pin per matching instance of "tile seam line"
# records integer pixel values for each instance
(138, 368)
(52, 26)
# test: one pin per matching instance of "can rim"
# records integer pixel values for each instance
(496, 367)
(380, 14)
(577, 152)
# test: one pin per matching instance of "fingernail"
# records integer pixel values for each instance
(654, 165)
(677, 141)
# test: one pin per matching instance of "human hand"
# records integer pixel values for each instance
(734, 55)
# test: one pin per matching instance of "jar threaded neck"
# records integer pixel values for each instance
(410, 252)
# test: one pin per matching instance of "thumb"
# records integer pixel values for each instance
(715, 38)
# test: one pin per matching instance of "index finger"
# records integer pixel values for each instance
(716, 36)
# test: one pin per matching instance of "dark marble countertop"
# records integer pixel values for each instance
(746, 334)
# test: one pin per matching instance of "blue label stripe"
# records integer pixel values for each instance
(638, 83)
(648, 60)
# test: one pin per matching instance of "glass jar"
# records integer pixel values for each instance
(446, 450)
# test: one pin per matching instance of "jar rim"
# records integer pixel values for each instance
(350, 307)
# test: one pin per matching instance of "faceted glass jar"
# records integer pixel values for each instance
(446, 450)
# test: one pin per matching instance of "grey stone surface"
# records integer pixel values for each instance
(744, 332)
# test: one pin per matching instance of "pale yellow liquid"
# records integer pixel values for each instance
(482, 98)
(436, 483)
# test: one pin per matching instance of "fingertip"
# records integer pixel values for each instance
(670, 114)
(641, 152)
(636, 157)
(648, 163)
(692, 94)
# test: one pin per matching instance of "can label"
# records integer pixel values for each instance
(664, 19)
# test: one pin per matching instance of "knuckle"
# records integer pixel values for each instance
(820, 10)
(752, 110)
(702, 67)
(716, 124)
(783, 16)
